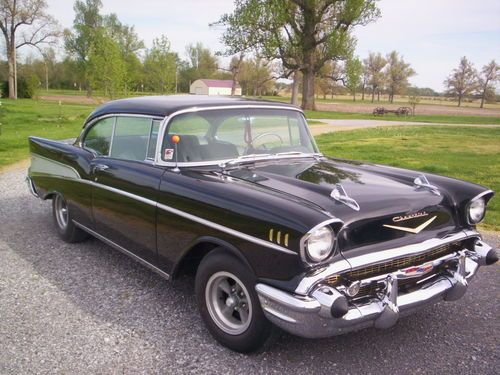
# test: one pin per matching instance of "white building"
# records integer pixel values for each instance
(213, 87)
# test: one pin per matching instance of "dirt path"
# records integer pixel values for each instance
(422, 109)
(328, 126)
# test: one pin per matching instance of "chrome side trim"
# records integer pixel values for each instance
(227, 230)
(168, 119)
(31, 187)
(41, 164)
(186, 215)
(123, 250)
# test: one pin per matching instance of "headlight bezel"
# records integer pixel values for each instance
(470, 218)
(304, 252)
(484, 197)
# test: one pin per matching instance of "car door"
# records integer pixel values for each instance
(125, 186)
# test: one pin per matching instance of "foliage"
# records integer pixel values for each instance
(465, 153)
(374, 65)
(353, 75)
(106, 67)
(413, 100)
(304, 35)
(397, 74)
(27, 87)
(462, 81)
(490, 74)
(161, 64)
(38, 29)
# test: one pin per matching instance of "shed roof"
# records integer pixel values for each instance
(226, 83)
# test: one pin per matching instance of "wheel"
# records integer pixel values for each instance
(228, 303)
(66, 229)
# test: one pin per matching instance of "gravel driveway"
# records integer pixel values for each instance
(86, 309)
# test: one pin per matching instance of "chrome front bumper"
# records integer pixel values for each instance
(312, 315)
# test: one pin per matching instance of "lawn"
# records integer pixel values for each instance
(472, 154)
(22, 118)
(438, 119)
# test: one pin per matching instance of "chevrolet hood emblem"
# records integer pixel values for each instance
(416, 230)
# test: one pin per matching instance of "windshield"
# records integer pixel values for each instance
(225, 134)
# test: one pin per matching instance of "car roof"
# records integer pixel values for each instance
(161, 106)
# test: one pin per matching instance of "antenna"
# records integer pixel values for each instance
(175, 140)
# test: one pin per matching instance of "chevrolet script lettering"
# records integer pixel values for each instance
(408, 217)
(416, 230)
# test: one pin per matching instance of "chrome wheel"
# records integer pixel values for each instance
(61, 211)
(228, 303)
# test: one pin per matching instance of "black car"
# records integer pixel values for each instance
(237, 192)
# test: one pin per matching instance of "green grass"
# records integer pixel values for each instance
(439, 119)
(22, 118)
(467, 153)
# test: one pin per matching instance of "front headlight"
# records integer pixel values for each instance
(477, 209)
(319, 244)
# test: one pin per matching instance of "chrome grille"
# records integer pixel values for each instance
(394, 265)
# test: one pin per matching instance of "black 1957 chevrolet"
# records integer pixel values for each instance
(237, 192)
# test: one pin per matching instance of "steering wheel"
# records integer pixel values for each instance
(258, 136)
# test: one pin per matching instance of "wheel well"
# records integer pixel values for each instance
(192, 258)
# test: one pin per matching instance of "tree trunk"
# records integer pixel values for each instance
(353, 95)
(11, 56)
(46, 77)
(373, 94)
(459, 100)
(378, 95)
(295, 88)
(308, 89)
(363, 92)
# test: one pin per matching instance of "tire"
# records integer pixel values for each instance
(66, 229)
(228, 303)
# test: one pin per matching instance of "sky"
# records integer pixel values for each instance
(431, 35)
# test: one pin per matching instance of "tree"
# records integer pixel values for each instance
(200, 63)
(366, 78)
(303, 34)
(28, 18)
(375, 64)
(489, 75)
(107, 68)
(397, 74)
(79, 41)
(353, 72)
(160, 66)
(462, 81)
(130, 45)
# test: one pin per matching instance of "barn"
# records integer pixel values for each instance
(213, 87)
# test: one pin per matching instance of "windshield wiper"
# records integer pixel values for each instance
(244, 159)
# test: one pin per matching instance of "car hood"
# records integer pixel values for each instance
(381, 196)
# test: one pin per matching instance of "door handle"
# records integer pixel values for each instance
(100, 167)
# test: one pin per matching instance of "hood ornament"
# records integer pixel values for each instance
(422, 182)
(340, 195)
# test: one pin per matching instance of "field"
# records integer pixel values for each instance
(470, 153)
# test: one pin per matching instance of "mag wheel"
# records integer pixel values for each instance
(228, 303)
(66, 229)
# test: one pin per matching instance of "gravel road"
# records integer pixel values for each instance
(87, 309)
(329, 125)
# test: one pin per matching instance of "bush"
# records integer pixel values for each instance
(26, 87)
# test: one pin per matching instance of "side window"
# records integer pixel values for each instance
(131, 138)
(192, 130)
(153, 138)
(98, 138)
